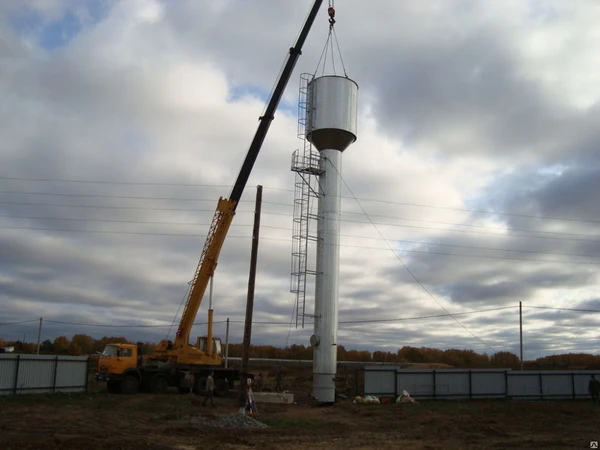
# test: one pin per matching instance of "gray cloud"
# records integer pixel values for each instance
(458, 114)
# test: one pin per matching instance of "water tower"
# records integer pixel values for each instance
(331, 117)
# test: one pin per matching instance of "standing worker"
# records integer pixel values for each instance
(594, 389)
(210, 386)
(279, 379)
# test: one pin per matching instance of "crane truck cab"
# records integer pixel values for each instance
(117, 364)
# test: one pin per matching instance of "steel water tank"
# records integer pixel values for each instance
(331, 114)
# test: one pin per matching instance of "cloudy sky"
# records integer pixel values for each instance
(473, 184)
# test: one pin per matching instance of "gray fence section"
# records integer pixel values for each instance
(384, 381)
(37, 374)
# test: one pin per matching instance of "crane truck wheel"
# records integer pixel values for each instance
(129, 385)
(159, 384)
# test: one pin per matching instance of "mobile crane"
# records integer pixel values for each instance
(178, 363)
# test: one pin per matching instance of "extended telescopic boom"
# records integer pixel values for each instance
(226, 207)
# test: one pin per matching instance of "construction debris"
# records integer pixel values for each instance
(405, 398)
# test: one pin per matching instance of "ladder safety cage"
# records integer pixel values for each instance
(305, 162)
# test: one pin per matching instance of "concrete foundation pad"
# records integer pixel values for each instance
(273, 397)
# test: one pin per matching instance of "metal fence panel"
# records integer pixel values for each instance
(381, 382)
(34, 374)
(524, 384)
(482, 383)
(557, 385)
(8, 368)
(452, 384)
(71, 375)
(490, 383)
(415, 383)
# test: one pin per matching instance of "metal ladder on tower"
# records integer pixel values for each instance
(305, 162)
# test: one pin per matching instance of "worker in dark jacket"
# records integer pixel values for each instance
(594, 389)
(210, 386)
(279, 379)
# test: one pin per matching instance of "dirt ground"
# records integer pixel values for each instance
(98, 420)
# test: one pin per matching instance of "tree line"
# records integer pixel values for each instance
(82, 344)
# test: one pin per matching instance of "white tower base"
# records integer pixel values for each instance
(327, 285)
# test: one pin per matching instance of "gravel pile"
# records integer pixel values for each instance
(216, 421)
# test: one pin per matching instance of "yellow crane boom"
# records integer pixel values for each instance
(180, 350)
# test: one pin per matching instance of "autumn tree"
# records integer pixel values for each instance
(61, 344)
(359, 355)
(383, 357)
(74, 348)
(47, 346)
(569, 360)
(300, 352)
(411, 354)
(83, 343)
(505, 359)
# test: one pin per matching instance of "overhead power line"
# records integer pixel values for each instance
(116, 197)
(259, 322)
(467, 225)
(133, 208)
(127, 183)
(120, 326)
(345, 322)
(585, 237)
(472, 228)
(418, 205)
(19, 322)
(146, 222)
(554, 235)
(563, 309)
(435, 316)
(196, 235)
(479, 211)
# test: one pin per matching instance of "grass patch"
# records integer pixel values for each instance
(293, 423)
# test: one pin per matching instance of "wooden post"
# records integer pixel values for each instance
(521, 331)
(227, 344)
(39, 336)
(250, 298)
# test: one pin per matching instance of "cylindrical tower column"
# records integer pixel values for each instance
(331, 128)
(327, 280)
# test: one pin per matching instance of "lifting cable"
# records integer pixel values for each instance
(331, 36)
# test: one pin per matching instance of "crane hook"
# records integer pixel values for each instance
(331, 12)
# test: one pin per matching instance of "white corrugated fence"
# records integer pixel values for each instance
(477, 383)
(37, 374)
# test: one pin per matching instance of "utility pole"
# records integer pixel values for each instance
(521, 331)
(39, 336)
(250, 299)
(227, 344)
